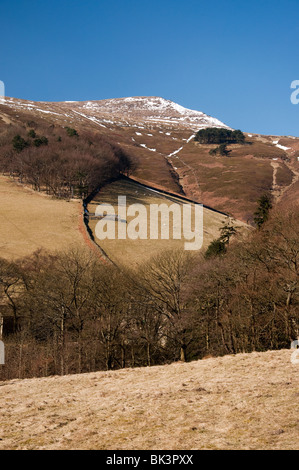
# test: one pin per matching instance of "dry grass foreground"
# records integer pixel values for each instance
(30, 221)
(248, 401)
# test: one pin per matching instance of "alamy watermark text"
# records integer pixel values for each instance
(153, 221)
(2, 90)
(295, 94)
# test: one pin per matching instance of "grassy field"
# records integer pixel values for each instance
(247, 401)
(134, 252)
(30, 221)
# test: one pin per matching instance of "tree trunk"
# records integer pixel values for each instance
(1, 326)
(62, 339)
(183, 352)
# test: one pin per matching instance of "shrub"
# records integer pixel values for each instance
(221, 150)
(71, 132)
(32, 133)
(19, 143)
(41, 141)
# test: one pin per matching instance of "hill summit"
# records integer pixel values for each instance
(151, 108)
(140, 109)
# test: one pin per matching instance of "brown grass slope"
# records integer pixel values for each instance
(31, 221)
(248, 401)
(135, 252)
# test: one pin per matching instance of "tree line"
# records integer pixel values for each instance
(216, 135)
(72, 313)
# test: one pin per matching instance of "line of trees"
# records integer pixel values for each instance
(60, 161)
(71, 313)
(216, 135)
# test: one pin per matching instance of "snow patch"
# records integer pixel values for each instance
(190, 138)
(282, 147)
(147, 148)
(90, 118)
(175, 152)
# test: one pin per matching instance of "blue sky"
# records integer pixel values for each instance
(233, 60)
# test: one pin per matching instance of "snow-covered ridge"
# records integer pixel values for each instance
(139, 111)
(155, 109)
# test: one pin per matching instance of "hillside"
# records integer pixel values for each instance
(158, 135)
(248, 401)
